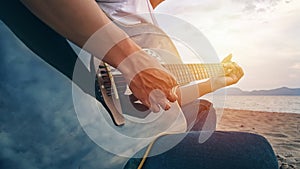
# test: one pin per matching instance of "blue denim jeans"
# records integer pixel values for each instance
(223, 150)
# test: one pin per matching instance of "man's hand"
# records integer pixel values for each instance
(149, 81)
(154, 88)
(232, 74)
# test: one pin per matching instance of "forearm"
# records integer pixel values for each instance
(78, 20)
(210, 85)
(204, 88)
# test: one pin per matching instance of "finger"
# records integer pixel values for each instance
(229, 71)
(172, 96)
(157, 98)
(234, 78)
(145, 102)
(236, 68)
(228, 68)
(227, 58)
(164, 103)
(154, 108)
(240, 71)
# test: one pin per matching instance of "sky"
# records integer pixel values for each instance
(262, 35)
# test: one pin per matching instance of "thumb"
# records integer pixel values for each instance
(227, 58)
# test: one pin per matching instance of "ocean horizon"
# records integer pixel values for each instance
(280, 104)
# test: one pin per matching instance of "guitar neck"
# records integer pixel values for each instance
(186, 73)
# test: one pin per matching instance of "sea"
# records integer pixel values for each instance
(283, 104)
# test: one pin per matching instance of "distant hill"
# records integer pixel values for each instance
(283, 91)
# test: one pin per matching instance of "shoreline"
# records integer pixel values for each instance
(282, 130)
(258, 111)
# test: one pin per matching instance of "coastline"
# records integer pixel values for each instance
(282, 130)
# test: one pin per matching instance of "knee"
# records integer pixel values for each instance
(205, 118)
(254, 150)
(206, 105)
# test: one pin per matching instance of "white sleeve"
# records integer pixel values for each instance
(128, 11)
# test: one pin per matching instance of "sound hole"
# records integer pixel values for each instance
(129, 103)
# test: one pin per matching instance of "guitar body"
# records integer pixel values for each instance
(109, 82)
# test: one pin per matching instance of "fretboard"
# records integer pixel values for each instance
(186, 73)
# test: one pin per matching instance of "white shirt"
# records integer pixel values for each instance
(128, 11)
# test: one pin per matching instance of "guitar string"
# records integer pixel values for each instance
(186, 77)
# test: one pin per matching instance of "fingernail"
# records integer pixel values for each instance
(167, 107)
(154, 110)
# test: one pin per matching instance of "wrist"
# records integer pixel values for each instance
(217, 83)
(110, 44)
(121, 51)
(136, 63)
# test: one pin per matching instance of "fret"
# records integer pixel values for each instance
(206, 71)
(186, 73)
(209, 71)
(195, 72)
(171, 67)
(186, 77)
(203, 71)
(213, 70)
(216, 69)
(183, 73)
(221, 70)
(180, 75)
(192, 73)
(175, 72)
(200, 71)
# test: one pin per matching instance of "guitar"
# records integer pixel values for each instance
(112, 90)
(117, 121)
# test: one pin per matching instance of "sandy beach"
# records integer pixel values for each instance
(281, 129)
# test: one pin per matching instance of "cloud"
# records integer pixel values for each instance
(260, 5)
(296, 66)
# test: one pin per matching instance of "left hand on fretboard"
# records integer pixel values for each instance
(232, 74)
